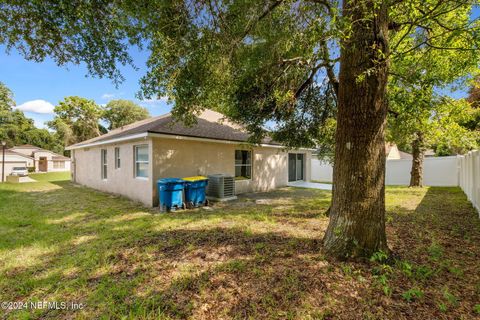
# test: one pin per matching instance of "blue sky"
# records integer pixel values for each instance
(31, 81)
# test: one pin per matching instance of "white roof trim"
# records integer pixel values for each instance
(171, 136)
(108, 141)
(18, 154)
(179, 137)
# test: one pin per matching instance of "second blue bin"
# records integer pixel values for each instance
(195, 191)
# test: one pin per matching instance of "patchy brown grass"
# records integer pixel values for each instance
(256, 258)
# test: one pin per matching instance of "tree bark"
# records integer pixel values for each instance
(357, 217)
(418, 154)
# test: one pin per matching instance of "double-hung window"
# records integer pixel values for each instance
(104, 163)
(58, 164)
(243, 164)
(117, 158)
(141, 161)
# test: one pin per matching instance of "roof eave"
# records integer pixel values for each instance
(108, 141)
(171, 136)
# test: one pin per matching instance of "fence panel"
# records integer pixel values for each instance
(437, 171)
(321, 171)
(470, 177)
(463, 171)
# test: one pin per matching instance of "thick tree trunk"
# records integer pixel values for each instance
(418, 153)
(357, 217)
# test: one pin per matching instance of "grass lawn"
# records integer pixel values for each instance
(257, 258)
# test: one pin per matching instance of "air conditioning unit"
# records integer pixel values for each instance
(221, 187)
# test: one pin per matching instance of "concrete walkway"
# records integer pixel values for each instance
(310, 185)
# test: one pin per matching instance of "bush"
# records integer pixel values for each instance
(31, 169)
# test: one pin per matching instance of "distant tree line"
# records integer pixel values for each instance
(76, 119)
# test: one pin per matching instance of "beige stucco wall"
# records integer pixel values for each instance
(86, 170)
(183, 158)
(179, 158)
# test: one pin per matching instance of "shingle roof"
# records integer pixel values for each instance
(166, 124)
(37, 149)
(26, 146)
(8, 151)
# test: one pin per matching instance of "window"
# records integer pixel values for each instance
(117, 158)
(58, 164)
(141, 161)
(104, 164)
(243, 164)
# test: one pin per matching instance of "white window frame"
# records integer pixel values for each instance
(58, 164)
(117, 158)
(135, 161)
(244, 165)
(104, 163)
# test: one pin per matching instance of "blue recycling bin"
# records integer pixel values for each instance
(170, 194)
(195, 191)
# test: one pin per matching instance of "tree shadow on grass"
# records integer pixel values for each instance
(439, 239)
(106, 250)
(182, 273)
(123, 261)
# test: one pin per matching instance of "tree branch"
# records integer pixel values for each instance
(329, 67)
(307, 82)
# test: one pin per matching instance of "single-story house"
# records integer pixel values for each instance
(43, 160)
(129, 160)
(393, 153)
(14, 159)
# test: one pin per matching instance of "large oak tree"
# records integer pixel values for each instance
(261, 62)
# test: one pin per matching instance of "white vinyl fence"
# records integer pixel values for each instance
(470, 177)
(321, 171)
(463, 171)
(437, 171)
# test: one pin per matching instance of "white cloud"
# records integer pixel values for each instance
(108, 96)
(36, 106)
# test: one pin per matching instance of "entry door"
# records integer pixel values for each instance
(295, 166)
(42, 164)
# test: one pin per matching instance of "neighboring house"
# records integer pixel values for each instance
(129, 160)
(392, 152)
(43, 160)
(14, 159)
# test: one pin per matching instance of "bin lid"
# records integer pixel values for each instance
(170, 180)
(195, 178)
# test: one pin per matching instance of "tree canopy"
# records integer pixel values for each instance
(118, 113)
(234, 56)
(76, 119)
